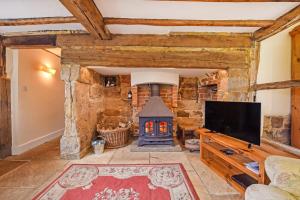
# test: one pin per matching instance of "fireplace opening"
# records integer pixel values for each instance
(155, 121)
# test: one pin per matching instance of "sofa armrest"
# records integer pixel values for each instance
(284, 173)
(266, 192)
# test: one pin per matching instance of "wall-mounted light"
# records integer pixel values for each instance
(129, 95)
(48, 70)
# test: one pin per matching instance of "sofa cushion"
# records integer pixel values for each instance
(265, 192)
(284, 173)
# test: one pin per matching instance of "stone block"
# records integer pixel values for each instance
(197, 114)
(112, 112)
(75, 72)
(267, 122)
(114, 92)
(86, 75)
(277, 121)
(96, 91)
(70, 147)
(65, 73)
(181, 113)
(283, 136)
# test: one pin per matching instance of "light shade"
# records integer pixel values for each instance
(48, 70)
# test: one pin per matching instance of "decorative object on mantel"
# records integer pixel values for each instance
(116, 137)
(110, 81)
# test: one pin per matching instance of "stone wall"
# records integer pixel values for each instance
(88, 102)
(83, 102)
(277, 128)
(189, 107)
(194, 91)
(116, 106)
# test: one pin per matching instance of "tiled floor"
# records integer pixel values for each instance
(20, 180)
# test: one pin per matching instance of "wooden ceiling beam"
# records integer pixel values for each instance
(33, 41)
(280, 24)
(136, 21)
(89, 16)
(37, 21)
(179, 22)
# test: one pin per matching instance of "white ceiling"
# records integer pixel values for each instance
(143, 29)
(28, 28)
(127, 71)
(191, 10)
(145, 9)
(31, 8)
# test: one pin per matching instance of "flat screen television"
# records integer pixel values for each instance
(240, 120)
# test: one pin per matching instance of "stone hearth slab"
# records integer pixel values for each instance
(155, 148)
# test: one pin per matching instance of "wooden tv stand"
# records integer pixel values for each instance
(228, 165)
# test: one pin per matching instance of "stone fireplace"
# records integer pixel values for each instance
(155, 121)
(179, 99)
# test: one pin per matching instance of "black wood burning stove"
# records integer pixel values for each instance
(155, 121)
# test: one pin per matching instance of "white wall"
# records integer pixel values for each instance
(37, 98)
(275, 65)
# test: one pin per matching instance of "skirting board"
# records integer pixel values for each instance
(36, 142)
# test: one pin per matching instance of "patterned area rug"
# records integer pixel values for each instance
(121, 182)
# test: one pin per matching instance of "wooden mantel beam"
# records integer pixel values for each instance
(179, 22)
(280, 24)
(89, 16)
(37, 21)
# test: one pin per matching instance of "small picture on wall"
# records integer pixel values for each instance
(110, 81)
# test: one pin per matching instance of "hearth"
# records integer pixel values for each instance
(155, 121)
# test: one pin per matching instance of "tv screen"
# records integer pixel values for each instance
(240, 120)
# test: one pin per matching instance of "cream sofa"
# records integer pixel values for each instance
(284, 174)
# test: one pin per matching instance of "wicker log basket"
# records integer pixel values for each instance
(115, 138)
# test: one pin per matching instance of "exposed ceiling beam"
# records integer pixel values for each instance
(234, 0)
(89, 16)
(37, 21)
(280, 24)
(34, 41)
(135, 21)
(179, 22)
(45, 32)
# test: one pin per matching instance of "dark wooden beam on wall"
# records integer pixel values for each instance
(179, 22)
(33, 41)
(280, 24)
(276, 85)
(89, 16)
(2, 57)
(5, 109)
(37, 21)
